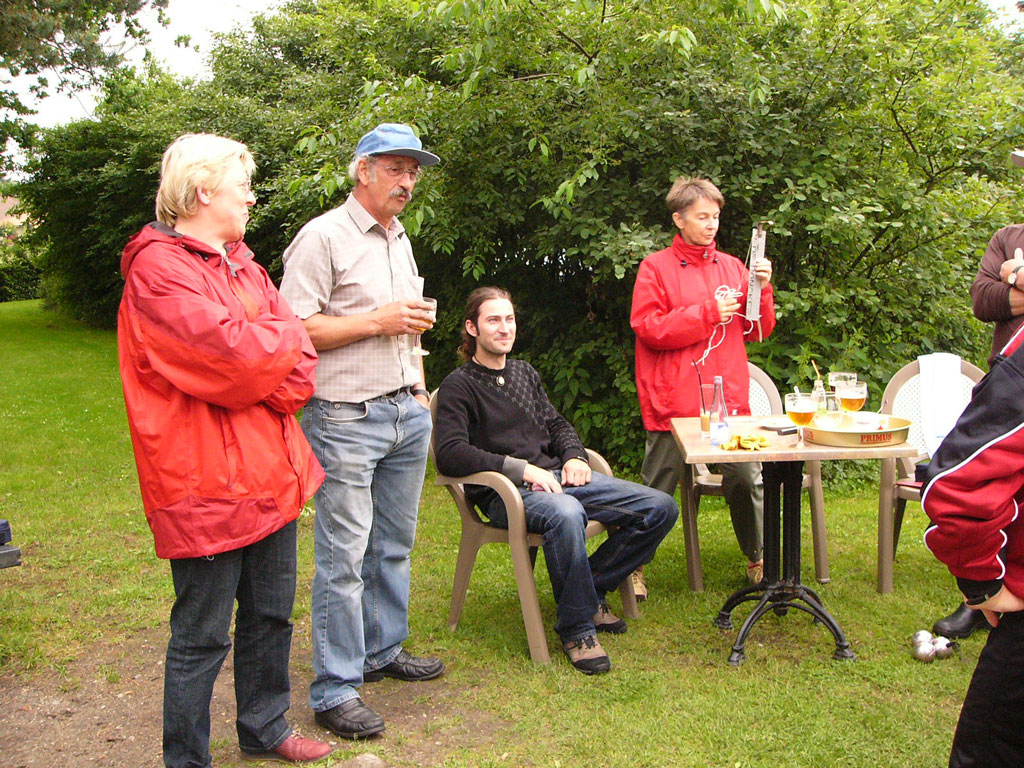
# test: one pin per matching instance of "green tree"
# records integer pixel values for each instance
(61, 39)
(874, 135)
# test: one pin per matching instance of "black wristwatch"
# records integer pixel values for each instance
(418, 392)
(1012, 277)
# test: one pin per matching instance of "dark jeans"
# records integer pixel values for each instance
(643, 516)
(990, 733)
(261, 577)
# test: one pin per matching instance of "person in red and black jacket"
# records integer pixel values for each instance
(973, 488)
(996, 297)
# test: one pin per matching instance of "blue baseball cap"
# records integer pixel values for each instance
(395, 139)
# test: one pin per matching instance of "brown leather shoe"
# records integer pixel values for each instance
(587, 655)
(294, 749)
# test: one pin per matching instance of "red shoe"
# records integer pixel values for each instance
(294, 749)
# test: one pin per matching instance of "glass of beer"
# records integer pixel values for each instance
(801, 408)
(415, 345)
(852, 395)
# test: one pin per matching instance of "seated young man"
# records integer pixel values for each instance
(493, 414)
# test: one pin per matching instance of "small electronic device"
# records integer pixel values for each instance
(782, 429)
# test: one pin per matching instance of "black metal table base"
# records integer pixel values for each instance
(777, 594)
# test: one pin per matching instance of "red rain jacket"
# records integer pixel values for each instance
(214, 367)
(674, 316)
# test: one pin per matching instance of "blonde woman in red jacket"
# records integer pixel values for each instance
(214, 366)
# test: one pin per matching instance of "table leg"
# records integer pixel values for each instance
(886, 502)
(780, 479)
(694, 571)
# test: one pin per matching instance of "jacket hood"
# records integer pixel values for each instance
(158, 232)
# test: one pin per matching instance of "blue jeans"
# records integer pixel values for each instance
(261, 577)
(375, 456)
(642, 515)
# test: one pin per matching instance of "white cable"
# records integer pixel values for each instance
(722, 292)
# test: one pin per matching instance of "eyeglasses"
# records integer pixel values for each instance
(396, 172)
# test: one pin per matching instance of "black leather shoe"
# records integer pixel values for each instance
(351, 720)
(407, 667)
(960, 623)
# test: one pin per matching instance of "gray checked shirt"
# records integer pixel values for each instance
(344, 263)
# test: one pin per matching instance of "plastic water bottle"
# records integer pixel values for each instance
(720, 432)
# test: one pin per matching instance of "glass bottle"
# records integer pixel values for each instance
(818, 394)
(719, 415)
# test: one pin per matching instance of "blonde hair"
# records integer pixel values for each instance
(196, 160)
(688, 190)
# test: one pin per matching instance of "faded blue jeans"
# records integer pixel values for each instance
(261, 577)
(374, 455)
(642, 515)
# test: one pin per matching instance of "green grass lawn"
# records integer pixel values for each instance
(68, 486)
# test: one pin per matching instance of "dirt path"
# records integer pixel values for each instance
(106, 711)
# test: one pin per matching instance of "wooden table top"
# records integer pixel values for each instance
(697, 449)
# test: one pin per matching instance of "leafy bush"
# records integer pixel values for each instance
(875, 136)
(19, 276)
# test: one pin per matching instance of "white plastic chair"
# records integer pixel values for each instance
(764, 400)
(902, 398)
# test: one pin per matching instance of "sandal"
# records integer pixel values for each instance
(755, 572)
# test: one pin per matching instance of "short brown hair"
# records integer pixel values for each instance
(472, 313)
(687, 190)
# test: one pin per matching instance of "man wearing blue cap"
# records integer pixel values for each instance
(350, 275)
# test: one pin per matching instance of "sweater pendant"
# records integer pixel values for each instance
(501, 381)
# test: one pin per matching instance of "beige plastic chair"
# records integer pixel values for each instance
(523, 546)
(764, 401)
(902, 397)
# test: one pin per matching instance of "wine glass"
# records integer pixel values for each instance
(800, 407)
(414, 341)
(852, 395)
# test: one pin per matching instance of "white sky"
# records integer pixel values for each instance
(201, 18)
(196, 18)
